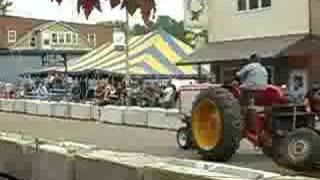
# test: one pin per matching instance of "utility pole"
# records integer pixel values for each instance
(127, 45)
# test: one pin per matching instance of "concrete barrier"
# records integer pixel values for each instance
(157, 118)
(191, 170)
(31, 107)
(80, 111)
(22, 158)
(14, 159)
(45, 108)
(7, 105)
(173, 118)
(95, 113)
(61, 110)
(103, 164)
(136, 116)
(56, 160)
(113, 114)
(19, 106)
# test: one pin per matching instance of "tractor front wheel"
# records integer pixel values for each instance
(300, 149)
(184, 138)
(216, 124)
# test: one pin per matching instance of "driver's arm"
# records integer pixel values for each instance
(307, 102)
(244, 71)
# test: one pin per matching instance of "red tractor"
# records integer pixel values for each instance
(220, 117)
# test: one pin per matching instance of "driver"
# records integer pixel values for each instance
(253, 74)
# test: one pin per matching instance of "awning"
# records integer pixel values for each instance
(155, 53)
(242, 49)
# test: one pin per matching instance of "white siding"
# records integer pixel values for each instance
(282, 18)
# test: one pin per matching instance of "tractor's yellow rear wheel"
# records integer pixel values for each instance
(216, 124)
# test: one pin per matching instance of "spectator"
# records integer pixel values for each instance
(169, 95)
(312, 99)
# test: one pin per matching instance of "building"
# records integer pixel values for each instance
(284, 32)
(28, 44)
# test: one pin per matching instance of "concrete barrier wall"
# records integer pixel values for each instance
(113, 114)
(28, 159)
(157, 118)
(60, 110)
(103, 164)
(136, 116)
(14, 155)
(122, 115)
(31, 107)
(45, 108)
(19, 106)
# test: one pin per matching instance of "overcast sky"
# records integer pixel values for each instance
(45, 9)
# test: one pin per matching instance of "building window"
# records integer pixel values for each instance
(265, 3)
(68, 38)
(46, 42)
(92, 39)
(61, 38)
(33, 39)
(253, 4)
(74, 38)
(242, 5)
(54, 38)
(12, 36)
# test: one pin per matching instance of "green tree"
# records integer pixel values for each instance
(137, 29)
(167, 24)
(171, 26)
(4, 7)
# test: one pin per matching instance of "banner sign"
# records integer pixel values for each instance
(53, 60)
(119, 40)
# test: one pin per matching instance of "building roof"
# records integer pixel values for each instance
(24, 25)
(242, 49)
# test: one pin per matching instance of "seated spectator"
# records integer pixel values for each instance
(312, 99)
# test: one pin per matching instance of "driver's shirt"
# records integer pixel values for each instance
(253, 74)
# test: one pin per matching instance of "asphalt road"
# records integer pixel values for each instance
(121, 138)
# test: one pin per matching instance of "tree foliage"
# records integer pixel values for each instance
(167, 24)
(4, 7)
(147, 7)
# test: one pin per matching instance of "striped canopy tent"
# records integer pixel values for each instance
(155, 53)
